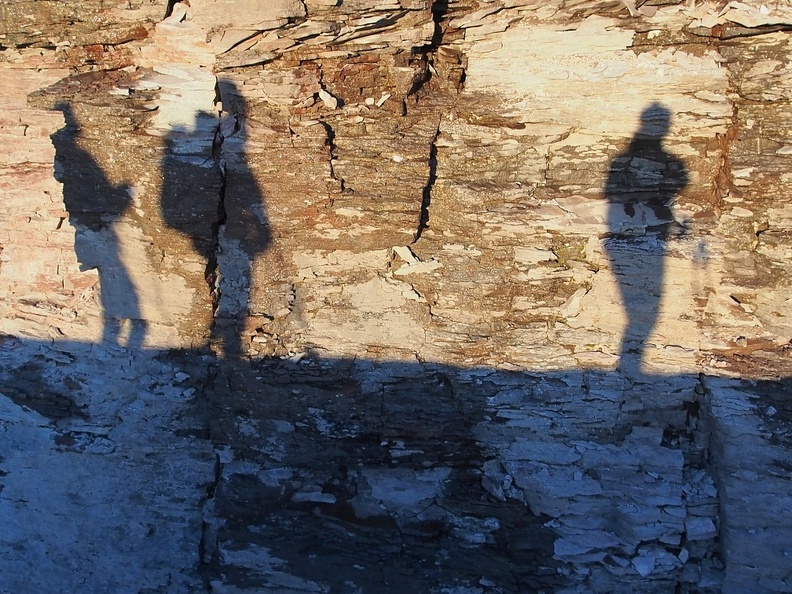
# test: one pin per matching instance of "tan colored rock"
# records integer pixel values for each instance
(482, 273)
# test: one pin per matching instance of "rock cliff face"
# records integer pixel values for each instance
(400, 296)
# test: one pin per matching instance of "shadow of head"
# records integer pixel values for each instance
(655, 121)
(68, 113)
(232, 98)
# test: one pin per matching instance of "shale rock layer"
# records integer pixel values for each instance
(398, 296)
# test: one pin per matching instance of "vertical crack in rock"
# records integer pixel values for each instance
(208, 543)
(426, 200)
(169, 7)
(216, 381)
(331, 149)
(702, 496)
(213, 273)
(439, 11)
(305, 7)
(547, 165)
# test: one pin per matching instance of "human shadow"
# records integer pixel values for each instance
(643, 182)
(227, 223)
(95, 206)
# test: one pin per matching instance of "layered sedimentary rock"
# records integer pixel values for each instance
(405, 296)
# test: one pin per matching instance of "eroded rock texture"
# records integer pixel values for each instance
(398, 296)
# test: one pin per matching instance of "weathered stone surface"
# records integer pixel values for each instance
(318, 296)
(104, 470)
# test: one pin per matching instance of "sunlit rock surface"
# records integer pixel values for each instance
(404, 296)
